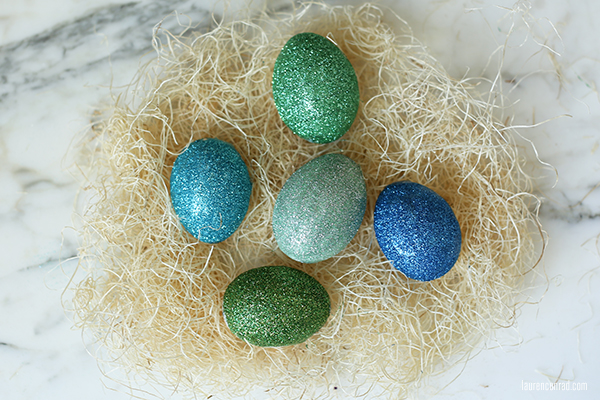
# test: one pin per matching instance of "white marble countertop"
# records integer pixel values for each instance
(57, 61)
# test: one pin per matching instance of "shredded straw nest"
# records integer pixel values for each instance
(152, 297)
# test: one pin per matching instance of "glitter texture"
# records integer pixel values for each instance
(275, 306)
(417, 230)
(210, 189)
(320, 208)
(315, 88)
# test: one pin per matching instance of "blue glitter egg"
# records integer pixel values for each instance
(320, 208)
(210, 189)
(417, 230)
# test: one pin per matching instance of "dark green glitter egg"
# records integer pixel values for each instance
(315, 88)
(275, 306)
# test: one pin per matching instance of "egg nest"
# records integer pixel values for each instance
(151, 301)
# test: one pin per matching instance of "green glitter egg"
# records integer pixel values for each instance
(320, 208)
(315, 88)
(275, 306)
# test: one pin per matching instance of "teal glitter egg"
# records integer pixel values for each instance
(417, 230)
(315, 88)
(210, 189)
(275, 306)
(320, 208)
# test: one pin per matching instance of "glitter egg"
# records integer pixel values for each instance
(275, 306)
(315, 88)
(417, 230)
(320, 208)
(210, 189)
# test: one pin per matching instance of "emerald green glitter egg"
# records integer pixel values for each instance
(315, 88)
(275, 306)
(320, 208)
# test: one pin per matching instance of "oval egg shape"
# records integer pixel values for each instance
(320, 208)
(315, 88)
(417, 230)
(210, 189)
(275, 306)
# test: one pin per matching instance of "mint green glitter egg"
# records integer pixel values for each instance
(320, 208)
(275, 306)
(315, 88)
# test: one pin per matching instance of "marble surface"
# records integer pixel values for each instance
(58, 60)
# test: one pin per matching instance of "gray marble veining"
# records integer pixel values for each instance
(68, 49)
